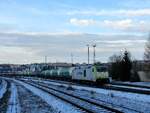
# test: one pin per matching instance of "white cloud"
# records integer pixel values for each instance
(128, 25)
(82, 22)
(17, 55)
(32, 47)
(138, 12)
(121, 12)
(119, 24)
(121, 41)
(124, 24)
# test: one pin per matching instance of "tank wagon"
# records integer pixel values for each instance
(63, 73)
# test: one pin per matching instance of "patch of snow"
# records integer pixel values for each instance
(141, 83)
(133, 96)
(60, 105)
(134, 83)
(13, 105)
(3, 88)
(131, 87)
(110, 99)
(31, 103)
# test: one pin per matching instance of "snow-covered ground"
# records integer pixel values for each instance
(3, 88)
(147, 84)
(31, 103)
(13, 104)
(28, 99)
(131, 87)
(116, 100)
(25, 98)
(59, 105)
(128, 105)
(132, 101)
(133, 96)
(140, 83)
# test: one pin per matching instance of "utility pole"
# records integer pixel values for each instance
(71, 58)
(94, 46)
(88, 53)
(45, 59)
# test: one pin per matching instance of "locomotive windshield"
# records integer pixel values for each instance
(101, 69)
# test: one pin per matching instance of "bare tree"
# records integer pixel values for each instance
(115, 58)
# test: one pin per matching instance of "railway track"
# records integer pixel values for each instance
(106, 103)
(117, 87)
(126, 89)
(81, 103)
(130, 85)
(101, 103)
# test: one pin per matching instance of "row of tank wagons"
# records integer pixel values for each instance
(26, 73)
(61, 71)
(83, 72)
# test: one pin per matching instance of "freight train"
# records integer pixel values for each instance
(82, 73)
(87, 73)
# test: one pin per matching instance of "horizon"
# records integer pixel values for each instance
(31, 30)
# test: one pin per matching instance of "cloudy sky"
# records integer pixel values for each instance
(32, 29)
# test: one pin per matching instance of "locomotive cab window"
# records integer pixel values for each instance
(101, 69)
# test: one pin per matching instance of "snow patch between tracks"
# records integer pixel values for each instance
(13, 105)
(57, 104)
(3, 88)
(132, 96)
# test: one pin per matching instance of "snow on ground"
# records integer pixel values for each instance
(139, 102)
(3, 88)
(31, 103)
(140, 83)
(131, 87)
(134, 83)
(118, 101)
(127, 105)
(13, 104)
(133, 96)
(57, 104)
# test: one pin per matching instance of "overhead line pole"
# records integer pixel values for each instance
(88, 53)
(71, 58)
(45, 59)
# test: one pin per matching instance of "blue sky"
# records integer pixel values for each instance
(32, 29)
